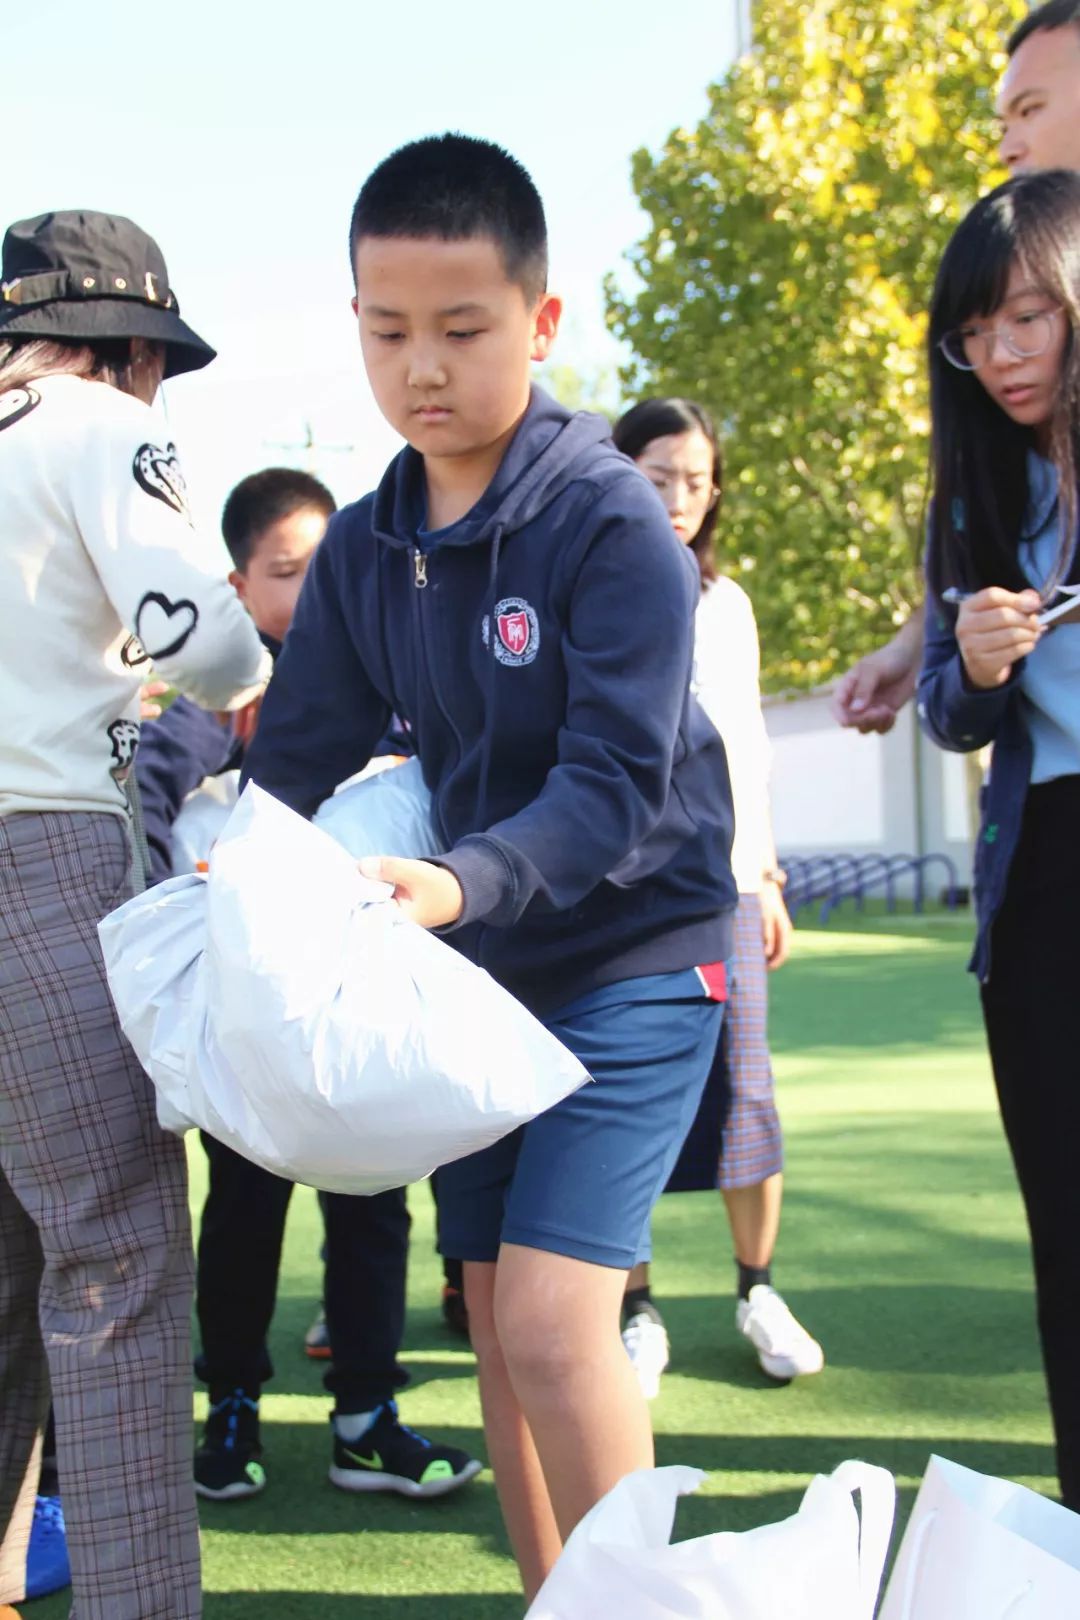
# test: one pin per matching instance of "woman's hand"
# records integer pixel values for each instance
(148, 708)
(427, 894)
(776, 925)
(995, 629)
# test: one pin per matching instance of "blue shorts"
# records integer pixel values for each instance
(582, 1178)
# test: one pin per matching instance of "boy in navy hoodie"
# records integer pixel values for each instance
(514, 589)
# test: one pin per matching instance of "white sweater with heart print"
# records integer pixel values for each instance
(103, 582)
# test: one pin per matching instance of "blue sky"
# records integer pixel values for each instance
(238, 136)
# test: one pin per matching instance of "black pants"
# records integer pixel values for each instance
(367, 1242)
(1030, 1004)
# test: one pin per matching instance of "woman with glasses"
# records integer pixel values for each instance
(1001, 667)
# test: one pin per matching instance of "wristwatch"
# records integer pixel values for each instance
(775, 874)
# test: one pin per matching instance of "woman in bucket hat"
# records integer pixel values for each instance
(101, 576)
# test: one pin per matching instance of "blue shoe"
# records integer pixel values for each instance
(47, 1566)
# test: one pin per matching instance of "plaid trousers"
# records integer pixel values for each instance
(753, 1147)
(736, 1141)
(96, 1273)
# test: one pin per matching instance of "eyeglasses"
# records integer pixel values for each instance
(969, 348)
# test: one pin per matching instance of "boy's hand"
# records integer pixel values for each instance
(244, 721)
(995, 628)
(428, 895)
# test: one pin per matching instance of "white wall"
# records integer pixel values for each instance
(835, 791)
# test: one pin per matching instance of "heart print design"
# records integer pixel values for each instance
(157, 471)
(17, 403)
(163, 627)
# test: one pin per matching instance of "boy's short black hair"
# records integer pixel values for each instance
(453, 187)
(1054, 14)
(265, 498)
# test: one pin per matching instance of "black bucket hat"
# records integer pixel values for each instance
(77, 274)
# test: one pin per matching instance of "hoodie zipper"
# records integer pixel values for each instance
(420, 580)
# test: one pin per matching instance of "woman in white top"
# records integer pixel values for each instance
(101, 577)
(738, 1129)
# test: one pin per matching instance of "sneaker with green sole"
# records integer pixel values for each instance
(391, 1457)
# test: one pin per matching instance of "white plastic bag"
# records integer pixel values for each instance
(384, 814)
(202, 819)
(821, 1564)
(283, 1005)
(978, 1548)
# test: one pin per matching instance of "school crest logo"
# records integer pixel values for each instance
(517, 632)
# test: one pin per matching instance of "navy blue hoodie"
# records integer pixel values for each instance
(540, 650)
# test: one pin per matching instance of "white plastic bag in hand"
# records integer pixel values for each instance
(202, 818)
(286, 1006)
(978, 1548)
(387, 814)
(821, 1564)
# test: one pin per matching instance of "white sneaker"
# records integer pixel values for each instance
(784, 1348)
(647, 1346)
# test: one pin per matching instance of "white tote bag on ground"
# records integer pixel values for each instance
(821, 1564)
(978, 1548)
(285, 1006)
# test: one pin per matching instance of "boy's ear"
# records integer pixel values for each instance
(545, 326)
(238, 581)
(355, 306)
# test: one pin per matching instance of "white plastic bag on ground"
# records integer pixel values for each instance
(978, 1548)
(285, 1006)
(821, 1564)
(384, 814)
(202, 819)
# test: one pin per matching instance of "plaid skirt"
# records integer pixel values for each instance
(96, 1273)
(735, 1140)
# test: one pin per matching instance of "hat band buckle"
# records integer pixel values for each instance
(51, 286)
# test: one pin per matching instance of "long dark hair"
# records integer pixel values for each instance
(658, 419)
(980, 456)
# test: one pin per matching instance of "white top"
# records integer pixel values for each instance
(727, 667)
(101, 575)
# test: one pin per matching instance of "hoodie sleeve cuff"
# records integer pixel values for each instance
(971, 713)
(487, 884)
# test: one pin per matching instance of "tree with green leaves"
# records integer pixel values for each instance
(784, 279)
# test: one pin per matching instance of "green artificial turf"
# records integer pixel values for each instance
(902, 1248)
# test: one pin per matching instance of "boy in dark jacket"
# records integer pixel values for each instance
(272, 523)
(514, 590)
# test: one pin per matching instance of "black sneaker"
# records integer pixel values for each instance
(390, 1457)
(227, 1462)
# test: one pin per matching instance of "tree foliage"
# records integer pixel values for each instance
(784, 280)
